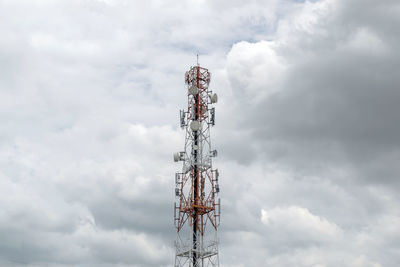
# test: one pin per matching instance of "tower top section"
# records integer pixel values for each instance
(197, 74)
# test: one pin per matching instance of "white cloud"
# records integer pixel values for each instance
(362, 261)
(365, 41)
(299, 221)
(255, 70)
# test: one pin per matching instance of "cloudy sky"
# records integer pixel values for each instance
(307, 129)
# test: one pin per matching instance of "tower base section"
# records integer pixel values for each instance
(207, 256)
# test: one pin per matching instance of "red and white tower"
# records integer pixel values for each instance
(197, 212)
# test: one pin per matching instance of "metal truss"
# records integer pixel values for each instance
(197, 214)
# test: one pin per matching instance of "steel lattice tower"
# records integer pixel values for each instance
(197, 213)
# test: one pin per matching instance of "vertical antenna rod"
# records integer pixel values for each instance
(197, 213)
(196, 173)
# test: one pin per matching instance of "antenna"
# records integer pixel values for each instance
(197, 213)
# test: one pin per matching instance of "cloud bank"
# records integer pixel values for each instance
(307, 130)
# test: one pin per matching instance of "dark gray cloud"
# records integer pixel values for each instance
(326, 117)
(337, 98)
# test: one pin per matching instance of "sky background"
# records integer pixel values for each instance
(307, 129)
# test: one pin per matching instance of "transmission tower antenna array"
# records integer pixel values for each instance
(197, 211)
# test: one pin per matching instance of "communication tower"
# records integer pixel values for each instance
(197, 213)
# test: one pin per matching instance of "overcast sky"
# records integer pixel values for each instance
(307, 129)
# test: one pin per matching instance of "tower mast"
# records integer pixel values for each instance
(197, 213)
